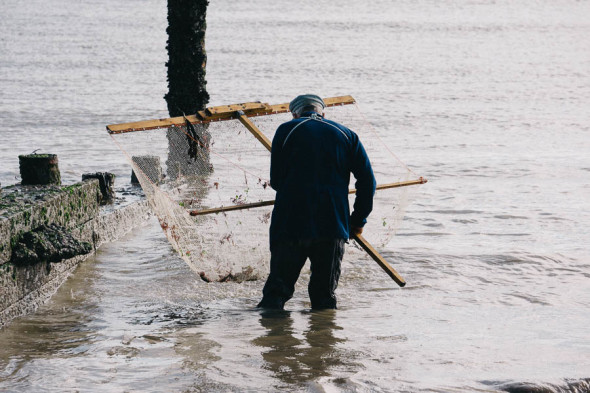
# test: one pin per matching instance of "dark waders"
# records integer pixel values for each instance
(287, 260)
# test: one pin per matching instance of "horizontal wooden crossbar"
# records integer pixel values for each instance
(223, 209)
(217, 113)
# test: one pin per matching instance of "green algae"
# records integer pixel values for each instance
(48, 243)
(37, 155)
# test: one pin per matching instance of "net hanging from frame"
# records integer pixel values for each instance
(192, 168)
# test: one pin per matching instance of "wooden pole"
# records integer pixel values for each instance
(385, 186)
(254, 130)
(379, 259)
(269, 203)
(231, 208)
(187, 58)
(218, 113)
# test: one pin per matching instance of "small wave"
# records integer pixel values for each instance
(397, 338)
(510, 259)
(510, 217)
(456, 211)
(556, 219)
(417, 287)
(529, 298)
(500, 234)
(425, 234)
(433, 225)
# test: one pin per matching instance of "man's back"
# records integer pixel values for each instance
(312, 159)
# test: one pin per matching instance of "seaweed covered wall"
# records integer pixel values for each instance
(41, 226)
(45, 232)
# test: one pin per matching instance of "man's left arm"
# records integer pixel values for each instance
(365, 186)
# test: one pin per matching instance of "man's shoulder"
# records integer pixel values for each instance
(284, 129)
(335, 123)
(293, 122)
(289, 125)
(351, 135)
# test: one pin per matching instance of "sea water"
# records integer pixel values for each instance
(487, 99)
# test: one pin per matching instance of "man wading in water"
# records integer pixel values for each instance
(311, 162)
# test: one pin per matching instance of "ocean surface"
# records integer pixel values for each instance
(487, 99)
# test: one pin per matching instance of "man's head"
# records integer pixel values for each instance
(306, 103)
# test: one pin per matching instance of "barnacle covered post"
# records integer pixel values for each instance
(39, 169)
(187, 87)
(187, 58)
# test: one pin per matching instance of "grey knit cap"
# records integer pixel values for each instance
(304, 100)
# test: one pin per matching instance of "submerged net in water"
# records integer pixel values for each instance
(205, 165)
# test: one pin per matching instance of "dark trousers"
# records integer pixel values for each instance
(286, 260)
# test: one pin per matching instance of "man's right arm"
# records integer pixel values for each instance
(277, 168)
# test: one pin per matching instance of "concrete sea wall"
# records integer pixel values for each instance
(76, 211)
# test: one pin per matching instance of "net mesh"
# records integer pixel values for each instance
(219, 164)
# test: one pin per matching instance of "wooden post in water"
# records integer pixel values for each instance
(187, 59)
(187, 87)
(150, 166)
(106, 182)
(39, 169)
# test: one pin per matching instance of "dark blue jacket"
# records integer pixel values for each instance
(311, 162)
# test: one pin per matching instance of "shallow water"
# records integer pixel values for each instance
(486, 99)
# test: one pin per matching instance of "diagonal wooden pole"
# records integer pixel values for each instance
(254, 130)
(358, 238)
(391, 272)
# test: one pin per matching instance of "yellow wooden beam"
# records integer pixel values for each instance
(230, 109)
(218, 113)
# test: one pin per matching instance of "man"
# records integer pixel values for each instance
(311, 162)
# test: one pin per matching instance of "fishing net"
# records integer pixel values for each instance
(196, 167)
